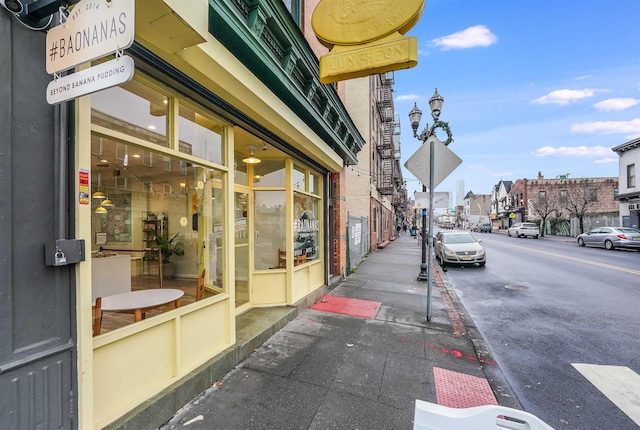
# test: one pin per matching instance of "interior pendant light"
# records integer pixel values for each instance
(251, 159)
(98, 195)
(106, 202)
(100, 210)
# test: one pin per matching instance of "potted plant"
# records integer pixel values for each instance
(167, 250)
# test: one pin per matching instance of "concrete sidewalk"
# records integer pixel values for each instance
(331, 369)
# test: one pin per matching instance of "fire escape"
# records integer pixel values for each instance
(399, 201)
(390, 130)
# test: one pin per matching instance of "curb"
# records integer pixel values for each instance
(503, 392)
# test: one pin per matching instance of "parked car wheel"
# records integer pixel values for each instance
(580, 241)
(608, 244)
(508, 233)
(535, 237)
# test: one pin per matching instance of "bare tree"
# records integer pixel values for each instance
(544, 205)
(580, 200)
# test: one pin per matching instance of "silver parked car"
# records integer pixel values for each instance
(524, 229)
(611, 237)
(459, 247)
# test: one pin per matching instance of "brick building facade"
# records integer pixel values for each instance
(564, 197)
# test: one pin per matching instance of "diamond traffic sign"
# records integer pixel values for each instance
(445, 162)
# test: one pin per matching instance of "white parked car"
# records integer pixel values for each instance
(524, 229)
(459, 247)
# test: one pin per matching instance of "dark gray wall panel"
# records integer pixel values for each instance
(37, 350)
(37, 396)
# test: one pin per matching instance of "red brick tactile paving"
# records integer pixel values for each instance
(454, 316)
(347, 306)
(458, 390)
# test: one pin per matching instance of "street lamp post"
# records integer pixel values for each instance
(415, 115)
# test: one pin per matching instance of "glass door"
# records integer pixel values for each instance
(241, 205)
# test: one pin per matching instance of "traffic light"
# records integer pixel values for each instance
(446, 211)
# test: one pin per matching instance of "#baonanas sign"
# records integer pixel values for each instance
(93, 29)
(365, 37)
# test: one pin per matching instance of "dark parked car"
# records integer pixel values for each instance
(485, 227)
(611, 237)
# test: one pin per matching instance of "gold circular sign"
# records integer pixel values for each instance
(348, 22)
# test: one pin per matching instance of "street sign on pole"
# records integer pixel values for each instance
(422, 164)
(445, 159)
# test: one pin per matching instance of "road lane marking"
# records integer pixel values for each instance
(620, 385)
(566, 257)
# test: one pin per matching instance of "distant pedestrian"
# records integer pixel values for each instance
(398, 229)
(404, 229)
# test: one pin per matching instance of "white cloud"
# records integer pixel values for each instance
(576, 151)
(564, 97)
(582, 78)
(629, 128)
(472, 37)
(607, 160)
(407, 97)
(616, 104)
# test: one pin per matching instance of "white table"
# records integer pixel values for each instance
(141, 301)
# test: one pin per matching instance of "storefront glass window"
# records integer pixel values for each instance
(200, 135)
(240, 169)
(134, 109)
(269, 173)
(299, 178)
(216, 238)
(269, 229)
(314, 183)
(153, 212)
(306, 226)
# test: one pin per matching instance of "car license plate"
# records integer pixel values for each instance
(466, 257)
(636, 238)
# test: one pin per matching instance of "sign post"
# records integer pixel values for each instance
(422, 165)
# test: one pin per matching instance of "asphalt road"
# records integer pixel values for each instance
(544, 305)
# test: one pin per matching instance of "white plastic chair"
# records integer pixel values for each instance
(429, 416)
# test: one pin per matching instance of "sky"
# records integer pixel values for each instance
(529, 86)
